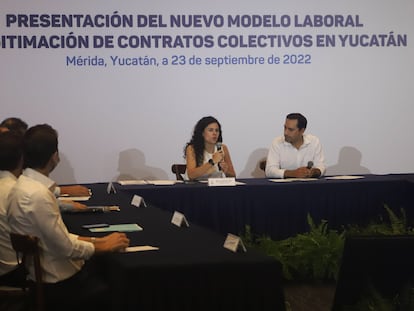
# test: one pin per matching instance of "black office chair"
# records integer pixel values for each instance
(262, 165)
(380, 263)
(13, 298)
(26, 247)
(179, 170)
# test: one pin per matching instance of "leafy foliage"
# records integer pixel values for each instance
(314, 255)
(372, 300)
(396, 225)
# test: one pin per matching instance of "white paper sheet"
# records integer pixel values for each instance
(132, 182)
(142, 248)
(162, 182)
(67, 198)
(292, 179)
(345, 177)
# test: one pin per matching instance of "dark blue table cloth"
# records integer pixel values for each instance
(279, 209)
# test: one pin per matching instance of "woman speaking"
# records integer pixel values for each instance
(205, 155)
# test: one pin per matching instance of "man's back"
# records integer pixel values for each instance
(33, 210)
(8, 260)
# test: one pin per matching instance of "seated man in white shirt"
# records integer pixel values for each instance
(11, 166)
(32, 209)
(295, 154)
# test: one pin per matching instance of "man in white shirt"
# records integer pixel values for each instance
(295, 154)
(33, 209)
(11, 163)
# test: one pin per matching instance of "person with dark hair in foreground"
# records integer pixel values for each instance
(32, 209)
(15, 125)
(205, 155)
(19, 126)
(11, 164)
(295, 154)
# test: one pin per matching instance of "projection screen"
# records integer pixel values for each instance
(124, 82)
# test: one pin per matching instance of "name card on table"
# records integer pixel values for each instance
(234, 243)
(138, 201)
(227, 181)
(179, 220)
(110, 188)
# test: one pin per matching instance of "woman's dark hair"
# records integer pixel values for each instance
(197, 140)
(40, 143)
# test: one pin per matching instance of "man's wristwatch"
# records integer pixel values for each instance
(211, 162)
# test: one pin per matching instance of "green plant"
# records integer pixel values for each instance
(314, 255)
(371, 299)
(397, 225)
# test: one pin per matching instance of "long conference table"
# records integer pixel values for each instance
(280, 209)
(191, 270)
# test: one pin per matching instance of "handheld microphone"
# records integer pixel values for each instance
(310, 165)
(219, 145)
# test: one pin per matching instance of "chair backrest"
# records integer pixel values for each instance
(26, 247)
(379, 265)
(262, 165)
(13, 298)
(179, 170)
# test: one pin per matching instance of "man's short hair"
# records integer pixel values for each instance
(15, 125)
(302, 122)
(11, 150)
(39, 144)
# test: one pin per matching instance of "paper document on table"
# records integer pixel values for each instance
(118, 228)
(142, 248)
(80, 198)
(345, 177)
(162, 182)
(292, 179)
(132, 182)
(237, 183)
